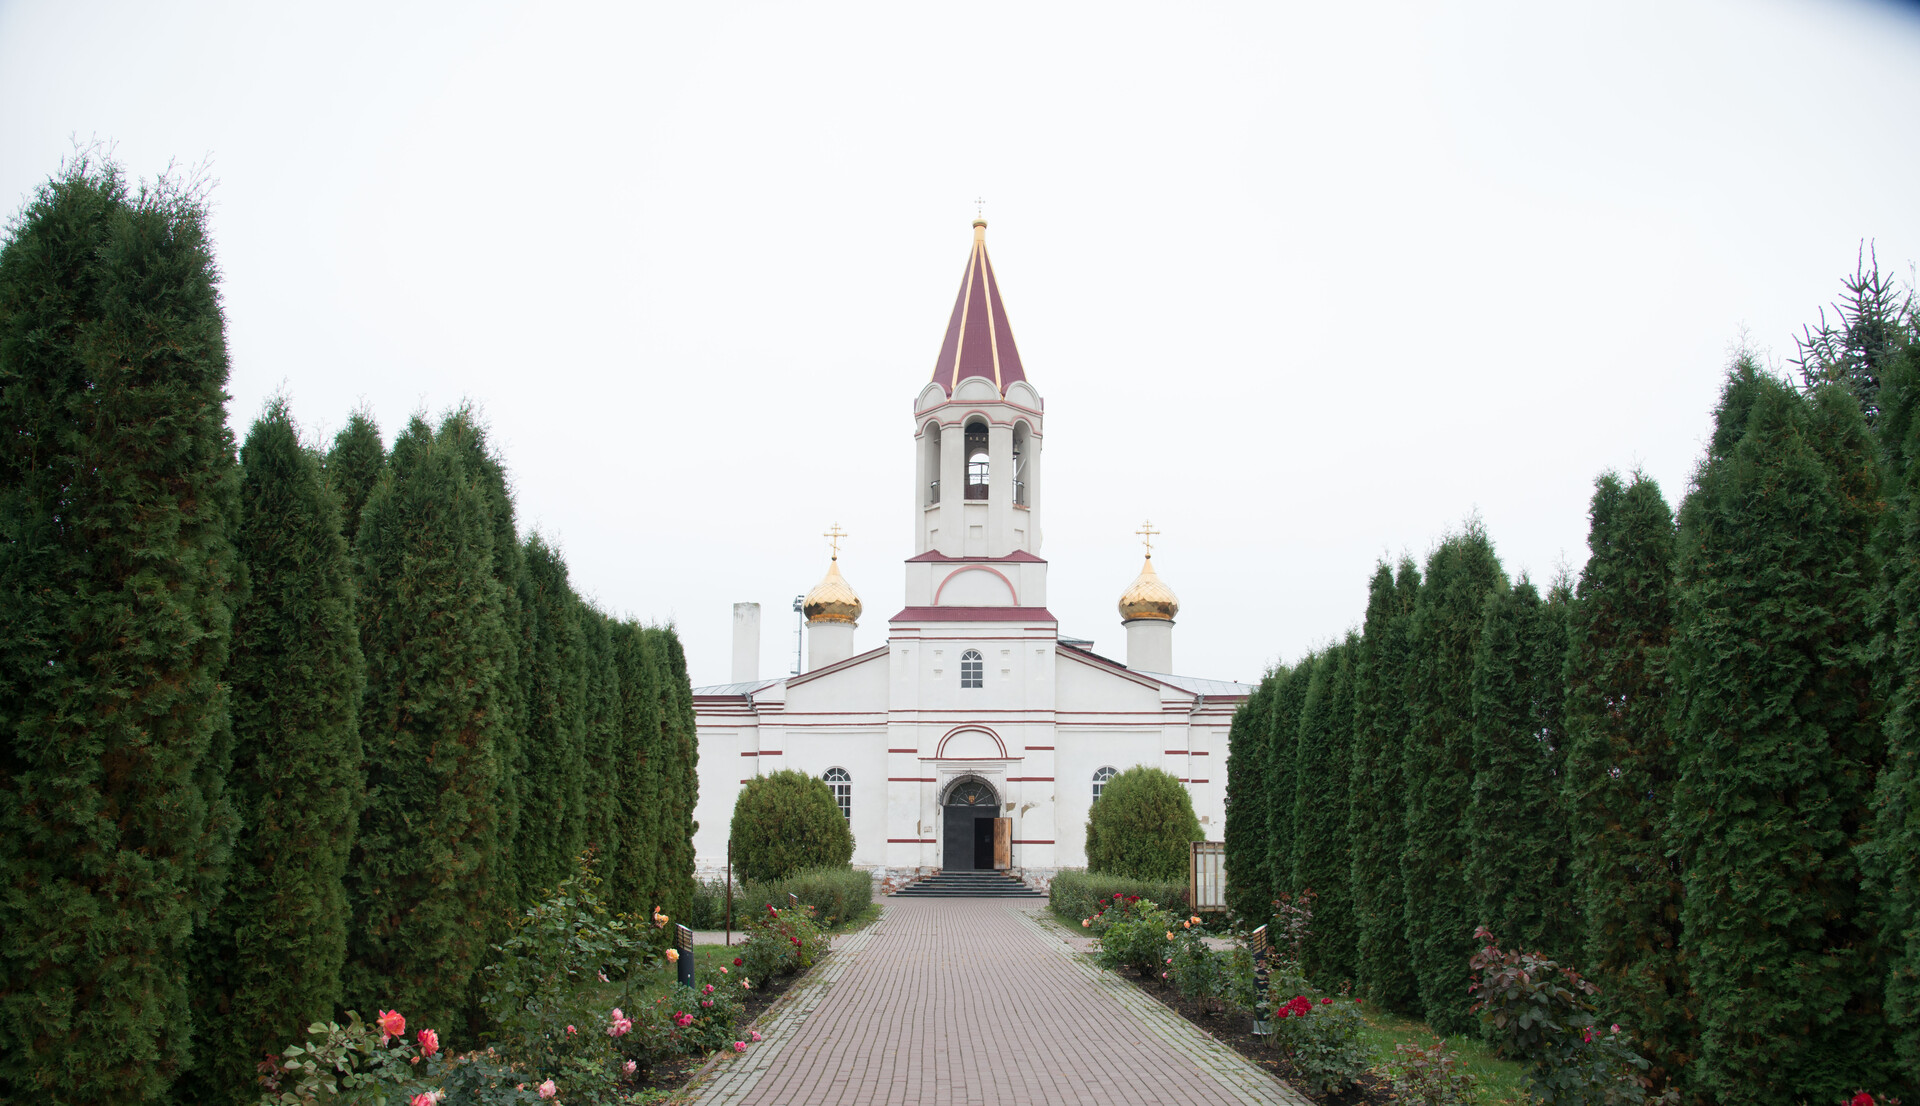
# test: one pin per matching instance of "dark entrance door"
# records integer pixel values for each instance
(967, 825)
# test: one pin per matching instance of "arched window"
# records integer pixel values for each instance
(976, 449)
(842, 786)
(973, 669)
(1100, 778)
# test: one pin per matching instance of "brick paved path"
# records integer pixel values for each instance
(975, 1002)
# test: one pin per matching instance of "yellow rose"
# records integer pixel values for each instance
(673, 954)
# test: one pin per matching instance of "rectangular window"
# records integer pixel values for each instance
(973, 670)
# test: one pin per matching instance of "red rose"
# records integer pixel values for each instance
(737, 962)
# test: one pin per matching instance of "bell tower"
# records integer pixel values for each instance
(978, 431)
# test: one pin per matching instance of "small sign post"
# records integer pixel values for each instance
(793, 901)
(1258, 946)
(1207, 877)
(683, 940)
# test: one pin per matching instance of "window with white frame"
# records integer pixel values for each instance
(842, 785)
(973, 669)
(1100, 779)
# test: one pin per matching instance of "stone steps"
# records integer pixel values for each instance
(969, 885)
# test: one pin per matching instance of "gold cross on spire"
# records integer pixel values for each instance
(979, 207)
(833, 537)
(1146, 533)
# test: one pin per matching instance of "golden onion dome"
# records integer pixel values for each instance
(1148, 597)
(832, 599)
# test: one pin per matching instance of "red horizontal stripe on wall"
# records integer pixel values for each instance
(1029, 779)
(910, 841)
(1195, 781)
(903, 750)
(1039, 748)
(746, 781)
(910, 779)
(1198, 753)
(1176, 752)
(1019, 842)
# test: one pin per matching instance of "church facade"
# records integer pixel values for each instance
(975, 736)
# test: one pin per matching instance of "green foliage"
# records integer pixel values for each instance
(1376, 821)
(553, 782)
(353, 468)
(1132, 935)
(632, 867)
(679, 781)
(358, 1064)
(1621, 768)
(1322, 860)
(1323, 1040)
(1872, 327)
(1249, 883)
(118, 580)
(1141, 826)
(267, 962)
(1430, 1075)
(421, 877)
(780, 940)
(786, 822)
(1440, 901)
(1515, 821)
(1281, 741)
(838, 896)
(1778, 738)
(1543, 1014)
(1075, 895)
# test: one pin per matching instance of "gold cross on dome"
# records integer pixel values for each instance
(979, 207)
(833, 537)
(1146, 533)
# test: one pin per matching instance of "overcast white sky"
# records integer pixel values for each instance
(1308, 285)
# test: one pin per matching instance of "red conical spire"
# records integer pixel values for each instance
(979, 342)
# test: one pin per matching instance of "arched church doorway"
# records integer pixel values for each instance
(967, 814)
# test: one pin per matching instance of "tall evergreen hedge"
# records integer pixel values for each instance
(630, 872)
(552, 832)
(680, 780)
(118, 580)
(353, 467)
(267, 963)
(1778, 739)
(1249, 882)
(1322, 858)
(1376, 817)
(1282, 741)
(1441, 902)
(421, 879)
(1516, 827)
(1621, 769)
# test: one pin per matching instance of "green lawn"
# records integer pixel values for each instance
(1500, 1081)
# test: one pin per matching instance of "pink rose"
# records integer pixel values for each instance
(630, 1067)
(739, 1046)
(429, 1042)
(548, 1090)
(756, 1035)
(427, 1098)
(391, 1025)
(571, 1031)
(682, 1020)
(707, 990)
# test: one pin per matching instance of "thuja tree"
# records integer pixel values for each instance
(1621, 769)
(630, 872)
(679, 772)
(552, 831)
(1142, 826)
(1440, 901)
(1283, 736)
(599, 774)
(267, 963)
(421, 876)
(1376, 815)
(1322, 858)
(1778, 739)
(1249, 884)
(1516, 829)
(117, 580)
(353, 467)
(786, 822)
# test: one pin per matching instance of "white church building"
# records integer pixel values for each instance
(973, 735)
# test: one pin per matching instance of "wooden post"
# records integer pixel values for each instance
(1003, 843)
(729, 894)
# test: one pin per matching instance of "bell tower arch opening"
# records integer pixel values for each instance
(968, 809)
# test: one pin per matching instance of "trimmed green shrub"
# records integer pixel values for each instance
(1074, 894)
(267, 962)
(118, 580)
(1441, 903)
(1141, 826)
(838, 896)
(1376, 820)
(786, 822)
(1778, 735)
(1322, 859)
(1133, 935)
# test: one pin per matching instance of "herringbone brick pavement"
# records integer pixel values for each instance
(976, 1002)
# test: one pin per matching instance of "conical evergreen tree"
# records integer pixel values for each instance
(1283, 738)
(353, 467)
(1778, 740)
(552, 829)
(421, 879)
(680, 788)
(631, 872)
(268, 961)
(1249, 882)
(117, 583)
(599, 774)
(1621, 769)
(1322, 856)
(1516, 828)
(1441, 903)
(1376, 821)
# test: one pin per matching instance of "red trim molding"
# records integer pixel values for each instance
(1029, 779)
(903, 750)
(762, 753)
(941, 749)
(910, 779)
(916, 841)
(1177, 752)
(1021, 841)
(1039, 748)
